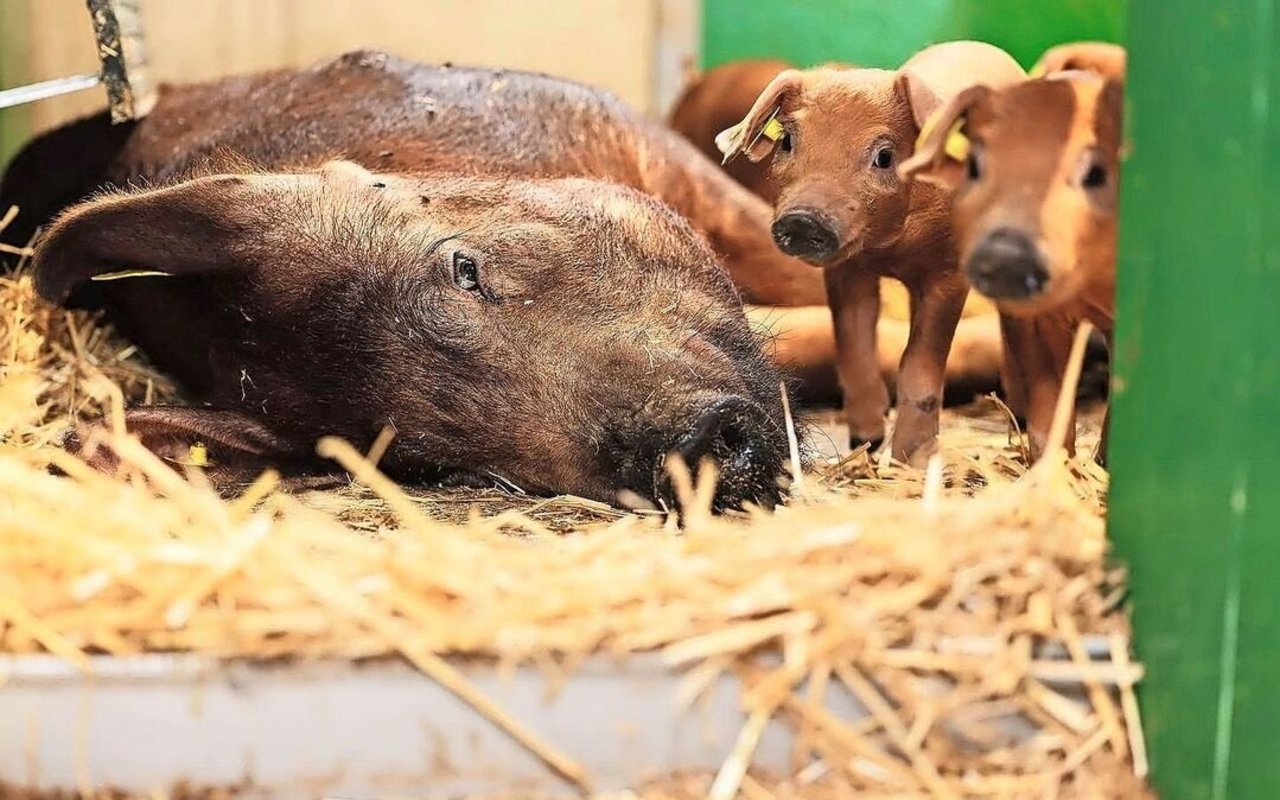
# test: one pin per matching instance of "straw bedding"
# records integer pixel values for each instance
(939, 600)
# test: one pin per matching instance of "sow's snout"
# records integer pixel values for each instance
(747, 448)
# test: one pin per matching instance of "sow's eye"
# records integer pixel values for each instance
(883, 158)
(466, 272)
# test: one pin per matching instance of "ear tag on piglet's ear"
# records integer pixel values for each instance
(773, 129)
(957, 145)
(129, 273)
(731, 141)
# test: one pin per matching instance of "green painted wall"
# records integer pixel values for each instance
(884, 33)
(1195, 500)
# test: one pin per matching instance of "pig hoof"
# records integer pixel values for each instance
(873, 444)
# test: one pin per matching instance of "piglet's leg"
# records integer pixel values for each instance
(1101, 455)
(937, 305)
(1012, 380)
(1041, 347)
(854, 296)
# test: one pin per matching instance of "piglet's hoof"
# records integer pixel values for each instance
(919, 458)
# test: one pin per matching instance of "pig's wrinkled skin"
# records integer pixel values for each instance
(1035, 204)
(473, 257)
(842, 206)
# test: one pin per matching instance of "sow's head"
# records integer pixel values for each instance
(558, 335)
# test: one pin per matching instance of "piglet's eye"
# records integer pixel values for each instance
(1095, 177)
(466, 272)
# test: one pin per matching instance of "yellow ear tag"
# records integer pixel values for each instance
(198, 456)
(773, 130)
(927, 129)
(957, 144)
(128, 273)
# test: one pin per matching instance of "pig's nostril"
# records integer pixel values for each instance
(730, 432)
(716, 433)
(806, 235)
(1007, 265)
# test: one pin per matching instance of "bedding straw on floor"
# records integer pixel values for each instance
(936, 599)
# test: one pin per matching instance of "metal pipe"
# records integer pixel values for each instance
(44, 89)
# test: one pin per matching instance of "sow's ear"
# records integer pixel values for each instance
(202, 226)
(758, 132)
(228, 446)
(943, 146)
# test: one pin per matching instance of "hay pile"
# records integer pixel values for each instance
(938, 600)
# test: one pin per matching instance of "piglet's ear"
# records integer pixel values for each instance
(1104, 58)
(202, 226)
(921, 96)
(943, 146)
(759, 131)
(1110, 116)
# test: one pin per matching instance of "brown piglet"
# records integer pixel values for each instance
(837, 137)
(1035, 173)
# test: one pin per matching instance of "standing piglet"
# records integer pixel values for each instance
(837, 136)
(1035, 172)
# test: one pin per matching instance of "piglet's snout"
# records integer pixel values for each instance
(1007, 265)
(805, 234)
(731, 432)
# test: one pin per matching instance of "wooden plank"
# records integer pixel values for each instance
(607, 43)
(677, 47)
(61, 40)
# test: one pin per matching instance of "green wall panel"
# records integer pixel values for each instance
(1195, 501)
(884, 33)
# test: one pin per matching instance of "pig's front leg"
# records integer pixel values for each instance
(1012, 380)
(854, 297)
(1041, 347)
(936, 308)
